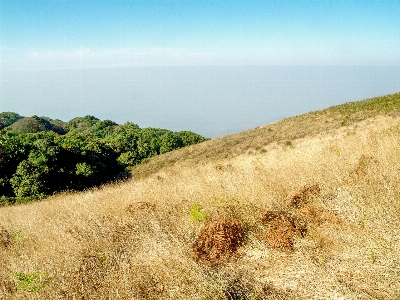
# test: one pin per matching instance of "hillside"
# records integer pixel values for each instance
(304, 208)
(281, 132)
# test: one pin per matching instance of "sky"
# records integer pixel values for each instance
(56, 56)
(98, 33)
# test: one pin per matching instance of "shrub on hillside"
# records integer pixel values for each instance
(218, 240)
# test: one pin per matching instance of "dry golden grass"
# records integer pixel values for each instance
(337, 193)
(282, 132)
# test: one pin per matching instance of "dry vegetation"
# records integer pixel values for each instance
(316, 218)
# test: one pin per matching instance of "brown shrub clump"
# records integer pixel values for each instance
(242, 286)
(140, 207)
(301, 197)
(364, 162)
(5, 237)
(282, 229)
(218, 239)
(300, 202)
(318, 216)
(91, 275)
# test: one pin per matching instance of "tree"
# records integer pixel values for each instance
(14, 148)
(8, 118)
(190, 138)
(39, 157)
(169, 141)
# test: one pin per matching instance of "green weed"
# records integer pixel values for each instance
(18, 237)
(196, 214)
(30, 282)
(373, 256)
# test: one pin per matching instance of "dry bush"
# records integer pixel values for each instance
(282, 229)
(361, 168)
(147, 285)
(87, 279)
(243, 287)
(271, 292)
(7, 286)
(91, 274)
(232, 208)
(138, 207)
(317, 215)
(218, 240)
(122, 233)
(302, 197)
(5, 237)
(302, 204)
(284, 226)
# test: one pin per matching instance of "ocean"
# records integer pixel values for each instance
(210, 100)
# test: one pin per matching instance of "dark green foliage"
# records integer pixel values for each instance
(190, 138)
(40, 156)
(57, 126)
(53, 163)
(28, 125)
(36, 124)
(14, 148)
(8, 118)
(169, 141)
(82, 125)
(28, 180)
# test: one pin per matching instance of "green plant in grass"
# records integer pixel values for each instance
(18, 237)
(288, 144)
(196, 214)
(373, 256)
(31, 283)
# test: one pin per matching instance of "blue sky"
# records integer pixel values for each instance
(84, 33)
(213, 67)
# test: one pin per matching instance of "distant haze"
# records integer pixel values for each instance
(211, 66)
(210, 100)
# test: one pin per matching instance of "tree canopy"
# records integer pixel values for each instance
(40, 156)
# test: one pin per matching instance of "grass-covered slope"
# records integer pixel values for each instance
(312, 213)
(281, 132)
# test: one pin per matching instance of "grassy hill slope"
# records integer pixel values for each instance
(284, 131)
(305, 208)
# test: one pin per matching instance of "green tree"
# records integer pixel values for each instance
(37, 159)
(190, 138)
(8, 118)
(14, 148)
(28, 180)
(169, 141)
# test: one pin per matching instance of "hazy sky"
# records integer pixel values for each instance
(94, 33)
(77, 57)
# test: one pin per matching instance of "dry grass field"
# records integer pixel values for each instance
(305, 208)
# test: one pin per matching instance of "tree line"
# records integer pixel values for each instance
(40, 156)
